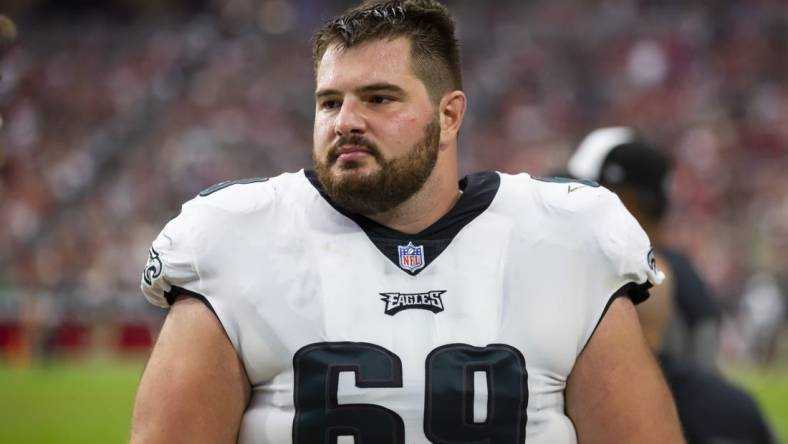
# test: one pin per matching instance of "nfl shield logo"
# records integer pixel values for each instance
(411, 257)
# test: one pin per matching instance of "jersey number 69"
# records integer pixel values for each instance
(448, 394)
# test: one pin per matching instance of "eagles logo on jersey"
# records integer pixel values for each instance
(396, 302)
(349, 330)
(652, 260)
(152, 268)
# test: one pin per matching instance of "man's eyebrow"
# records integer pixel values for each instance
(326, 92)
(374, 87)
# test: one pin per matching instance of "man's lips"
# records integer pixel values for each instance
(352, 152)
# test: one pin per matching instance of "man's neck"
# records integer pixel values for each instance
(436, 198)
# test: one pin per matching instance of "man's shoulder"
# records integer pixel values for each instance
(568, 212)
(555, 196)
(226, 207)
(250, 195)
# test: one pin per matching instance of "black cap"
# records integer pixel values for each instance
(637, 165)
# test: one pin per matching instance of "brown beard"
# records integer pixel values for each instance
(395, 181)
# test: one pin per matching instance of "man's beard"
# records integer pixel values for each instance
(395, 181)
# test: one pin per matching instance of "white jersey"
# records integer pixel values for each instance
(352, 332)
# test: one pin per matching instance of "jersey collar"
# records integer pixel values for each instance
(479, 190)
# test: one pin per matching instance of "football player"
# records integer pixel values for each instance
(380, 299)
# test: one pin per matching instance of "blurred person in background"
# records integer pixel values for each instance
(762, 316)
(681, 323)
(383, 264)
(638, 174)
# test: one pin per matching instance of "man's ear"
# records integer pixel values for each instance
(451, 112)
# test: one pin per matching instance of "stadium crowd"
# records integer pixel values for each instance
(109, 125)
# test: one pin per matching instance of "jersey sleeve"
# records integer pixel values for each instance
(171, 260)
(184, 256)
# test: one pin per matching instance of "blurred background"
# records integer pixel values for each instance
(116, 112)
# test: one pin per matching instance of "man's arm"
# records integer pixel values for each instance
(616, 393)
(194, 388)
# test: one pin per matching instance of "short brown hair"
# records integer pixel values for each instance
(426, 23)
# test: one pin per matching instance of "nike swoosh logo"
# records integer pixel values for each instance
(570, 189)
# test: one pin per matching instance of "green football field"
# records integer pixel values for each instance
(770, 388)
(90, 402)
(80, 402)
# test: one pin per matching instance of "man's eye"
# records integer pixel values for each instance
(380, 99)
(329, 104)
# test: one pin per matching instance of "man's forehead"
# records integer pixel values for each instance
(385, 60)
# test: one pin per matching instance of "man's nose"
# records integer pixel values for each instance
(351, 118)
